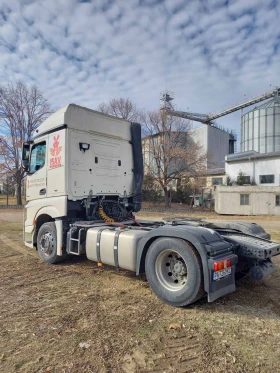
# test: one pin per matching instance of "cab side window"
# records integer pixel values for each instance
(38, 155)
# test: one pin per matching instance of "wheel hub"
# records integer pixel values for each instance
(179, 268)
(171, 270)
(46, 243)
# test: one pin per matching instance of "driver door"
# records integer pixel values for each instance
(36, 183)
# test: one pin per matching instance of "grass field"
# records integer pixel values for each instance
(48, 311)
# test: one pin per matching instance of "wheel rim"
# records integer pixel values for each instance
(47, 244)
(171, 270)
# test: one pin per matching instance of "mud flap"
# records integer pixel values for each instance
(59, 237)
(29, 231)
(221, 292)
(224, 285)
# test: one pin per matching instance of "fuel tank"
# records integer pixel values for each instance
(114, 246)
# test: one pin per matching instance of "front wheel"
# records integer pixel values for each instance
(174, 271)
(47, 244)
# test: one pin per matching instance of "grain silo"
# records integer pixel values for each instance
(260, 127)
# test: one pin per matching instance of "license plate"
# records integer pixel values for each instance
(219, 274)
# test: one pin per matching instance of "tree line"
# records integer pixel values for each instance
(169, 152)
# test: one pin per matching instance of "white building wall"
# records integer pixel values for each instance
(255, 168)
(200, 136)
(215, 142)
(262, 200)
(218, 147)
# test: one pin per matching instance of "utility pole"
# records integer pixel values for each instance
(166, 97)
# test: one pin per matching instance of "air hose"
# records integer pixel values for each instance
(104, 216)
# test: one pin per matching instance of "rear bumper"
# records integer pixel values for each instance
(256, 252)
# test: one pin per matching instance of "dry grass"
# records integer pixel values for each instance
(275, 235)
(46, 311)
(11, 200)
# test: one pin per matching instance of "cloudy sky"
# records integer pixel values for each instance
(210, 53)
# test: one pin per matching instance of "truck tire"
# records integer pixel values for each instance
(174, 271)
(47, 243)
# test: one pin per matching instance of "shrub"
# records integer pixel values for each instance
(152, 195)
(240, 178)
(229, 181)
(181, 195)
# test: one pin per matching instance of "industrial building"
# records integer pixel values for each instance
(257, 168)
(260, 128)
(259, 159)
(217, 142)
(258, 163)
(260, 194)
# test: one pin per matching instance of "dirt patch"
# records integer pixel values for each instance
(176, 352)
(15, 216)
(47, 311)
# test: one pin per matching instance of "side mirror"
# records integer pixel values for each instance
(25, 156)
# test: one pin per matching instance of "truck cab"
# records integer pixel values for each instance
(77, 157)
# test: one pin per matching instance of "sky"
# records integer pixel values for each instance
(210, 54)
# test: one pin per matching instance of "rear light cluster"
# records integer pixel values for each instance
(222, 264)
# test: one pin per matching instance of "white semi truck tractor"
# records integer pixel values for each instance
(83, 186)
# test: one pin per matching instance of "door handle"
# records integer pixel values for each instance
(42, 192)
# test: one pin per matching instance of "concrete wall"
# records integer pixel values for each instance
(255, 168)
(200, 136)
(262, 200)
(215, 142)
(218, 147)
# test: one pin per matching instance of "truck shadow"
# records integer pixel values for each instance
(251, 298)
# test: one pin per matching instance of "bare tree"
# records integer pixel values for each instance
(22, 109)
(169, 151)
(121, 108)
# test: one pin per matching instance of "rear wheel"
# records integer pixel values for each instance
(47, 244)
(174, 271)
